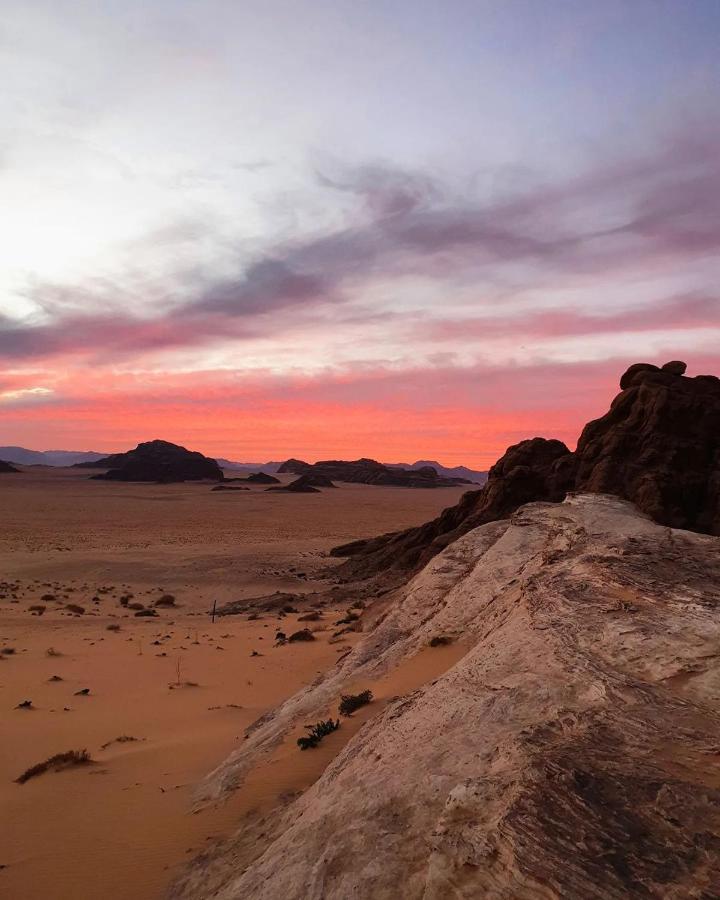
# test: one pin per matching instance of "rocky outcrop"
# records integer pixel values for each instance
(302, 485)
(262, 478)
(568, 751)
(659, 446)
(229, 487)
(536, 469)
(369, 471)
(159, 461)
(7, 468)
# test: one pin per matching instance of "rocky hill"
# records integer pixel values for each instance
(658, 445)
(25, 457)
(471, 475)
(369, 471)
(158, 461)
(7, 468)
(567, 749)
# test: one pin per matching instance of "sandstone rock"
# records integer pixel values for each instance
(302, 485)
(675, 367)
(158, 461)
(369, 471)
(659, 446)
(568, 752)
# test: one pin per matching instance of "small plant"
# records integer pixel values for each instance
(304, 635)
(350, 702)
(38, 608)
(122, 739)
(439, 640)
(317, 732)
(113, 626)
(75, 609)
(348, 619)
(55, 763)
(165, 600)
(51, 651)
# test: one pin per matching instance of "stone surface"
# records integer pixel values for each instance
(569, 753)
(158, 461)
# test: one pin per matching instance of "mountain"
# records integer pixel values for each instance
(270, 468)
(658, 446)
(369, 471)
(444, 471)
(25, 457)
(158, 461)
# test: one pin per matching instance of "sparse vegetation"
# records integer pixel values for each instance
(304, 635)
(51, 651)
(317, 732)
(348, 618)
(113, 626)
(165, 600)
(75, 609)
(121, 739)
(350, 702)
(440, 640)
(56, 763)
(38, 608)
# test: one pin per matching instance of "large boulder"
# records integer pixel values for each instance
(160, 461)
(659, 446)
(301, 485)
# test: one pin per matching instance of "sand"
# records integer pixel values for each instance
(123, 826)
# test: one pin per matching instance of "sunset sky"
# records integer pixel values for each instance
(395, 228)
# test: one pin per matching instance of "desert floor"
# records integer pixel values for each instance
(184, 688)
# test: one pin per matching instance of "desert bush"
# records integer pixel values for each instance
(165, 600)
(75, 609)
(350, 702)
(317, 732)
(439, 640)
(348, 619)
(48, 598)
(146, 613)
(55, 763)
(135, 605)
(38, 608)
(113, 626)
(51, 651)
(304, 635)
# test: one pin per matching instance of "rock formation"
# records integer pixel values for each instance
(302, 485)
(369, 471)
(659, 446)
(229, 487)
(567, 751)
(158, 461)
(262, 478)
(6, 468)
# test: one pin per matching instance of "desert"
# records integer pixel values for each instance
(170, 695)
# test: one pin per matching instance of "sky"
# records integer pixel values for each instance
(400, 229)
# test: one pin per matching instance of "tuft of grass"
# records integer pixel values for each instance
(56, 763)
(350, 702)
(317, 732)
(121, 739)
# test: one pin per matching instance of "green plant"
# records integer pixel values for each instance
(317, 732)
(350, 702)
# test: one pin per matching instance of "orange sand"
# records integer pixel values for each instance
(121, 827)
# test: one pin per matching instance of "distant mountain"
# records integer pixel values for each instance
(369, 471)
(158, 461)
(444, 471)
(270, 468)
(24, 457)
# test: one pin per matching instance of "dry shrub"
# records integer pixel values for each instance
(350, 702)
(165, 600)
(304, 635)
(56, 763)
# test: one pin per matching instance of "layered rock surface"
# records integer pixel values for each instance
(571, 752)
(658, 445)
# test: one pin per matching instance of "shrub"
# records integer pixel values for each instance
(38, 608)
(439, 640)
(165, 600)
(304, 635)
(56, 763)
(317, 732)
(146, 613)
(75, 609)
(350, 702)
(348, 619)
(113, 626)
